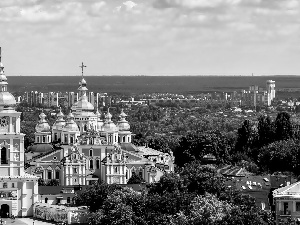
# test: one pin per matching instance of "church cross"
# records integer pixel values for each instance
(82, 66)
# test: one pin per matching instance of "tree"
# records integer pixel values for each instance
(202, 179)
(266, 131)
(206, 209)
(135, 179)
(283, 126)
(168, 183)
(52, 182)
(121, 207)
(41, 182)
(244, 137)
(280, 156)
(94, 196)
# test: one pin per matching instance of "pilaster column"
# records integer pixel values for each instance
(18, 122)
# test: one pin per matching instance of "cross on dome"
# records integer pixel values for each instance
(82, 66)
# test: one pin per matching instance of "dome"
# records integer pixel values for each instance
(2, 77)
(109, 127)
(7, 99)
(60, 122)
(109, 124)
(123, 125)
(82, 82)
(42, 125)
(70, 124)
(84, 105)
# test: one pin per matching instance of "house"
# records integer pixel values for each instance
(287, 203)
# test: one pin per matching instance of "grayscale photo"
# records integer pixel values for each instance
(150, 112)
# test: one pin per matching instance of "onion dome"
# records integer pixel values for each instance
(123, 125)
(6, 98)
(42, 125)
(60, 122)
(109, 124)
(84, 105)
(70, 124)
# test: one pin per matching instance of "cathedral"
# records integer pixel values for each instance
(91, 148)
(18, 189)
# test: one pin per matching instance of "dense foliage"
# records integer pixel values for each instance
(197, 195)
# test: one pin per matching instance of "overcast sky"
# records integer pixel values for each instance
(150, 37)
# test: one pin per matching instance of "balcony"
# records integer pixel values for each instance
(284, 213)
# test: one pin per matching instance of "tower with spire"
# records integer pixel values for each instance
(19, 189)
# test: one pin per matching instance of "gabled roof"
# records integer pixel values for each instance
(290, 190)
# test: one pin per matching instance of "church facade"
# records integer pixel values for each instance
(18, 189)
(91, 148)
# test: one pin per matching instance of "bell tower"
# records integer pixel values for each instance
(11, 140)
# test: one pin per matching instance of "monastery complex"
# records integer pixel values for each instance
(90, 149)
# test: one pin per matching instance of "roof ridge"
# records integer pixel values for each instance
(45, 154)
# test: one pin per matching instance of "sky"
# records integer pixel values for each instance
(150, 37)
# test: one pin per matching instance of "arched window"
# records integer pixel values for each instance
(4, 156)
(91, 152)
(97, 164)
(46, 200)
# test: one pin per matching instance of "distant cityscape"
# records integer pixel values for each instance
(254, 96)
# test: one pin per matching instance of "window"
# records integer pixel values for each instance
(58, 201)
(116, 169)
(74, 170)
(46, 200)
(44, 139)
(12, 185)
(91, 164)
(55, 136)
(38, 139)
(4, 156)
(68, 200)
(141, 173)
(57, 175)
(49, 175)
(91, 152)
(97, 164)
(297, 206)
(4, 185)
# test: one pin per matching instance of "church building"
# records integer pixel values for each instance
(91, 148)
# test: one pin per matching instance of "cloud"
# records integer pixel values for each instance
(96, 8)
(129, 5)
(194, 4)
